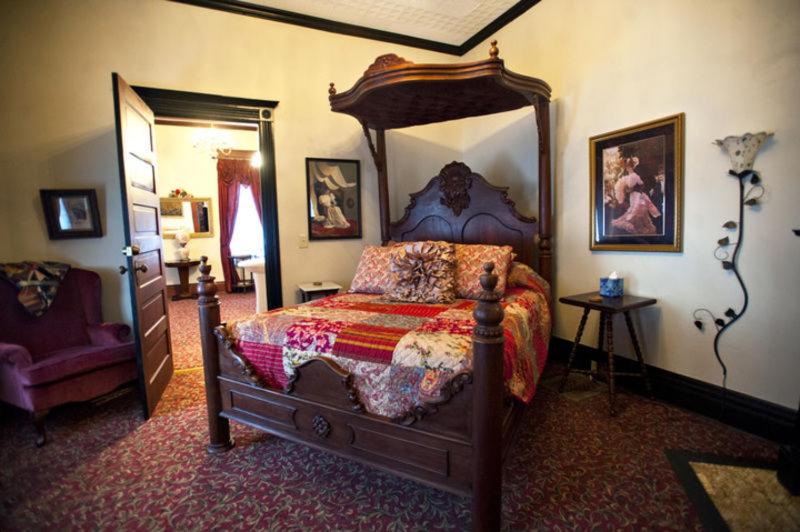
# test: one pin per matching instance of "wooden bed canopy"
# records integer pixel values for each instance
(458, 441)
(395, 93)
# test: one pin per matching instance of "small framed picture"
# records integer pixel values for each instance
(636, 194)
(171, 207)
(71, 213)
(333, 189)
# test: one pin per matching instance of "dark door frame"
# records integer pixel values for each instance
(198, 106)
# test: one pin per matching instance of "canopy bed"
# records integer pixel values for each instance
(457, 440)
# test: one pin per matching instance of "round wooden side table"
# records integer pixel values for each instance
(184, 291)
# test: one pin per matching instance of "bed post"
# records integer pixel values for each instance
(219, 431)
(379, 156)
(487, 408)
(383, 186)
(542, 106)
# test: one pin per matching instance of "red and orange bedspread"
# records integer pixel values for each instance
(400, 354)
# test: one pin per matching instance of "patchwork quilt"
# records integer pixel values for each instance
(400, 354)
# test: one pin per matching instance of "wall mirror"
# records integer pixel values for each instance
(192, 214)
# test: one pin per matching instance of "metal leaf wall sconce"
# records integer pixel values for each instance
(742, 151)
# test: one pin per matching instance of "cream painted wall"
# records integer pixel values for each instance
(58, 117)
(732, 66)
(180, 165)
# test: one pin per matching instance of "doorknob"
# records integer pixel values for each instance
(137, 268)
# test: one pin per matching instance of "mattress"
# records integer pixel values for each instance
(400, 354)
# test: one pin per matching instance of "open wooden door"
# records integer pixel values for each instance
(145, 263)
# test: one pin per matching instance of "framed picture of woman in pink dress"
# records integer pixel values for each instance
(636, 194)
(334, 198)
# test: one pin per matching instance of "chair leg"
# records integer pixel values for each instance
(38, 422)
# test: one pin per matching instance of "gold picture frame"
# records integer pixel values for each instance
(636, 187)
(175, 216)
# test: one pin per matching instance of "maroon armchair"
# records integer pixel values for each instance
(68, 354)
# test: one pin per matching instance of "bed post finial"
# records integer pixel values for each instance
(494, 51)
(487, 407)
(331, 90)
(219, 431)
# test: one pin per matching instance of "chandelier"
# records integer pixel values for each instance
(212, 141)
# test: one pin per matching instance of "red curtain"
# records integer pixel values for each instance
(230, 174)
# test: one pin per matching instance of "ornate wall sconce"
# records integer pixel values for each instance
(742, 151)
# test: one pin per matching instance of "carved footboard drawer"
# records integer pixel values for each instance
(440, 461)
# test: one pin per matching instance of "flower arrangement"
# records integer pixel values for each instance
(179, 193)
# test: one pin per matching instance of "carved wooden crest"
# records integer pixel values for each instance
(383, 62)
(455, 180)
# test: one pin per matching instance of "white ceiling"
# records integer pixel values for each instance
(448, 21)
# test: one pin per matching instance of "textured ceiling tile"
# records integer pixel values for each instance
(448, 21)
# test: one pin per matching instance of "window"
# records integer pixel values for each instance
(248, 236)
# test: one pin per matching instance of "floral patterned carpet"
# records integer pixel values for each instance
(184, 325)
(571, 467)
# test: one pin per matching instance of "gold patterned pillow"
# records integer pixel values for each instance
(470, 259)
(422, 272)
(373, 273)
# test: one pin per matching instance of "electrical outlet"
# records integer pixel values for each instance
(302, 241)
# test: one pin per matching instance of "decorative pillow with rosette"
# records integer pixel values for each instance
(373, 274)
(422, 272)
(470, 259)
(522, 275)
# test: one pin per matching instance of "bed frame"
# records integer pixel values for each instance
(457, 443)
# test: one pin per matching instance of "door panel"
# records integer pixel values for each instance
(141, 173)
(152, 314)
(148, 282)
(145, 220)
(145, 269)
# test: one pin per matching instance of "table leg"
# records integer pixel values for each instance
(183, 274)
(578, 335)
(601, 332)
(638, 351)
(610, 343)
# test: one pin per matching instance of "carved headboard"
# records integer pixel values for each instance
(460, 206)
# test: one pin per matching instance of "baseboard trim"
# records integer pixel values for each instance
(742, 411)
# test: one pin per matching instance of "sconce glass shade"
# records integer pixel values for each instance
(743, 149)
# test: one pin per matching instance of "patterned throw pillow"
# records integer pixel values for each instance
(470, 259)
(373, 273)
(524, 276)
(423, 272)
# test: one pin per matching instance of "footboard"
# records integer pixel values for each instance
(456, 445)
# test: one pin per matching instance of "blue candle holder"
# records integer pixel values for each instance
(611, 287)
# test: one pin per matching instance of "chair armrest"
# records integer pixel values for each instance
(15, 354)
(108, 333)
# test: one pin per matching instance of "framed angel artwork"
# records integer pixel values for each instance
(636, 192)
(333, 189)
